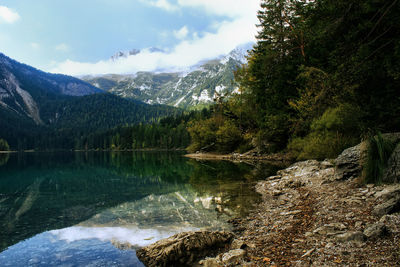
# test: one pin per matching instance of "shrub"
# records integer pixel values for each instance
(228, 137)
(202, 133)
(4, 145)
(336, 130)
(320, 145)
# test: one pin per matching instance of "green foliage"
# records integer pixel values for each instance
(322, 74)
(228, 137)
(203, 135)
(379, 151)
(4, 145)
(70, 121)
(169, 133)
(319, 145)
(330, 134)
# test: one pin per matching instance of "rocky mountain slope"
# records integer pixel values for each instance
(23, 88)
(199, 84)
(34, 104)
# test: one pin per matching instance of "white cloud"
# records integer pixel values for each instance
(8, 15)
(230, 8)
(35, 45)
(181, 33)
(62, 47)
(163, 4)
(226, 35)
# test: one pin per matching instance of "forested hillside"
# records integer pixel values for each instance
(71, 119)
(323, 75)
(43, 111)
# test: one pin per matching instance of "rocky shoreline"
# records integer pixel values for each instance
(249, 156)
(312, 214)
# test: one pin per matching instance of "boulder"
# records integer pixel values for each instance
(237, 243)
(388, 207)
(375, 230)
(330, 229)
(392, 172)
(183, 249)
(391, 201)
(233, 257)
(393, 137)
(210, 262)
(392, 222)
(303, 172)
(390, 191)
(348, 164)
(351, 237)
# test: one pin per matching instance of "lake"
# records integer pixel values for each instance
(96, 208)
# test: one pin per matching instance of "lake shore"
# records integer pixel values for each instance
(316, 213)
(279, 157)
(307, 217)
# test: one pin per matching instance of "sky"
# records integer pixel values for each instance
(78, 37)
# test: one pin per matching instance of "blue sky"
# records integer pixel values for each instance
(78, 37)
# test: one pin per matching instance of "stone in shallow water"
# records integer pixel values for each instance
(183, 249)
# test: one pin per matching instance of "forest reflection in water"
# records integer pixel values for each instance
(111, 196)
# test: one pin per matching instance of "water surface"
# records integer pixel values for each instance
(95, 209)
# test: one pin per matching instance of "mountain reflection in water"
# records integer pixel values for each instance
(112, 201)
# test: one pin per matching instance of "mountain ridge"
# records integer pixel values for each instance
(44, 110)
(196, 85)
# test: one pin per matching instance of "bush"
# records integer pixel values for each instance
(379, 151)
(320, 145)
(4, 145)
(337, 129)
(228, 137)
(203, 135)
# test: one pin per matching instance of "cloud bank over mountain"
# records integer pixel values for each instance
(237, 27)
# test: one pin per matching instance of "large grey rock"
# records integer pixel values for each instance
(393, 137)
(391, 200)
(330, 229)
(183, 249)
(351, 237)
(388, 207)
(303, 172)
(390, 191)
(348, 164)
(392, 172)
(375, 230)
(233, 257)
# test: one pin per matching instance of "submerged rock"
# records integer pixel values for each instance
(183, 249)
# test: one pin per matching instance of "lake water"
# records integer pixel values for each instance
(95, 209)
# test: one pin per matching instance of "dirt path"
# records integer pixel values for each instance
(309, 219)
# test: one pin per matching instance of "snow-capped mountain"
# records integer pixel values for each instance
(125, 54)
(193, 86)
